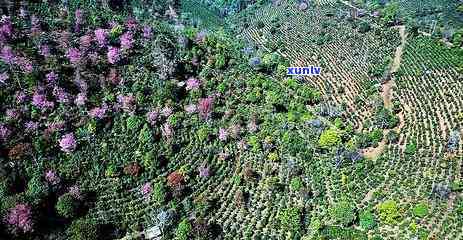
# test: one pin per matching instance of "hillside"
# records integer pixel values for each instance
(177, 120)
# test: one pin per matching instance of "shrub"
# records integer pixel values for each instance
(66, 206)
(392, 137)
(376, 237)
(410, 148)
(3, 189)
(36, 189)
(459, 207)
(343, 212)
(133, 122)
(457, 38)
(296, 183)
(376, 136)
(364, 27)
(389, 212)
(367, 220)
(329, 138)
(385, 118)
(456, 186)
(183, 230)
(315, 224)
(420, 210)
(159, 193)
(390, 12)
(290, 219)
(82, 229)
(336, 232)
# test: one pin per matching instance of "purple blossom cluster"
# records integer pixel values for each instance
(52, 177)
(80, 83)
(19, 218)
(81, 99)
(51, 78)
(152, 117)
(64, 38)
(205, 107)
(113, 24)
(12, 114)
(79, 19)
(54, 127)
(147, 32)
(127, 103)
(167, 131)
(127, 41)
(93, 57)
(101, 36)
(5, 132)
(31, 126)
(44, 50)
(85, 42)
(190, 108)
(166, 111)
(7, 55)
(204, 171)
(21, 97)
(99, 112)
(74, 56)
(3, 77)
(6, 28)
(40, 101)
(113, 55)
(60, 94)
(146, 190)
(75, 192)
(24, 64)
(223, 134)
(79, 15)
(192, 83)
(68, 143)
(131, 24)
(113, 76)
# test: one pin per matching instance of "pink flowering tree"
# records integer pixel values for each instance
(113, 55)
(205, 107)
(19, 219)
(52, 177)
(68, 143)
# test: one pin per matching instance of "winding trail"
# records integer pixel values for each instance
(386, 94)
(387, 86)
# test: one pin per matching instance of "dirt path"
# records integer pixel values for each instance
(399, 50)
(386, 94)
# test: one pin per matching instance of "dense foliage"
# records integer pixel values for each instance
(168, 120)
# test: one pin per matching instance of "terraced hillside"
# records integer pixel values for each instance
(428, 88)
(201, 15)
(354, 63)
(440, 17)
(419, 161)
(147, 121)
